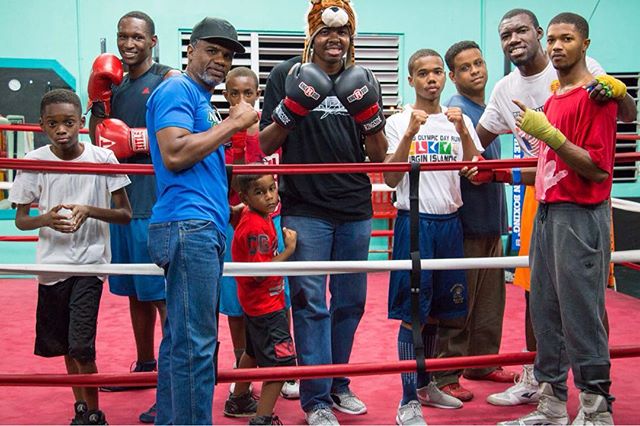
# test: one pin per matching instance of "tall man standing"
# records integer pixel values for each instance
(530, 82)
(570, 246)
(312, 111)
(187, 231)
(484, 221)
(117, 118)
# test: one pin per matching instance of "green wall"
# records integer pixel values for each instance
(70, 30)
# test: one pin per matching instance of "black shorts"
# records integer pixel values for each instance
(66, 318)
(269, 340)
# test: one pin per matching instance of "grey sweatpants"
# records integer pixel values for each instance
(570, 254)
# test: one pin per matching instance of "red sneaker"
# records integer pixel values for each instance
(457, 391)
(498, 375)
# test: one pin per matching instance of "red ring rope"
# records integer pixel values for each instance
(305, 372)
(142, 169)
(30, 127)
(32, 238)
(630, 265)
(19, 238)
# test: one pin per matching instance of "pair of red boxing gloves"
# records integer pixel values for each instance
(112, 133)
(307, 85)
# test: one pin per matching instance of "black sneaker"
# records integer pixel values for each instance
(243, 405)
(80, 408)
(95, 417)
(138, 367)
(265, 420)
(149, 416)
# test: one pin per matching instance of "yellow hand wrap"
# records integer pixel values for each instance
(536, 124)
(614, 88)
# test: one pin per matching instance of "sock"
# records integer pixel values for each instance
(406, 352)
(430, 341)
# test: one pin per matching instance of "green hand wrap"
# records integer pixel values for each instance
(614, 88)
(536, 124)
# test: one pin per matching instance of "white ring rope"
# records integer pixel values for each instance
(617, 203)
(627, 205)
(235, 269)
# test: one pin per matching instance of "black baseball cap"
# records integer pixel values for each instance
(219, 31)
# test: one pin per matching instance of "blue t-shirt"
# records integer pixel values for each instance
(200, 191)
(484, 212)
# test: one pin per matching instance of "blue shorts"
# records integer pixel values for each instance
(129, 245)
(229, 303)
(443, 294)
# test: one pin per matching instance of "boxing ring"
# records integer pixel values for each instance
(371, 364)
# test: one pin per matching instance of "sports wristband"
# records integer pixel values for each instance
(516, 176)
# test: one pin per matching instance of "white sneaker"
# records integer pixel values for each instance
(410, 414)
(525, 390)
(550, 411)
(321, 416)
(434, 397)
(347, 402)
(290, 390)
(593, 410)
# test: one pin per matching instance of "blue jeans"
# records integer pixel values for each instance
(325, 336)
(191, 254)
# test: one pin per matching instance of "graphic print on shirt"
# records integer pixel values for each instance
(214, 117)
(530, 145)
(331, 106)
(261, 244)
(434, 148)
(549, 176)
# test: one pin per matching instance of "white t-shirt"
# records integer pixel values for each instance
(436, 141)
(90, 243)
(500, 115)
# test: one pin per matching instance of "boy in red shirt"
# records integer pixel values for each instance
(268, 340)
(570, 246)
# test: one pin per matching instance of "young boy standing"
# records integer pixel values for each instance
(244, 147)
(75, 210)
(268, 340)
(428, 132)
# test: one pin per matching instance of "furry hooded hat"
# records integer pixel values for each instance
(329, 14)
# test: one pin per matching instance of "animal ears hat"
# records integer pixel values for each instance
(329, 14)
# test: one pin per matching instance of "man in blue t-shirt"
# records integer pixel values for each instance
(484, 221)
(188, 222)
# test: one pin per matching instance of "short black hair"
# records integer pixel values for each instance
(151, 26)
(243, 72)
(421, 53)
(244, 181)
(516, 12)
(60, 96)
(457, 48)
(581, 24)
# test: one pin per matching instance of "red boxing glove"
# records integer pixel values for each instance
(238, 146)
(115, 135)
(106, 71)
(488, 175)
